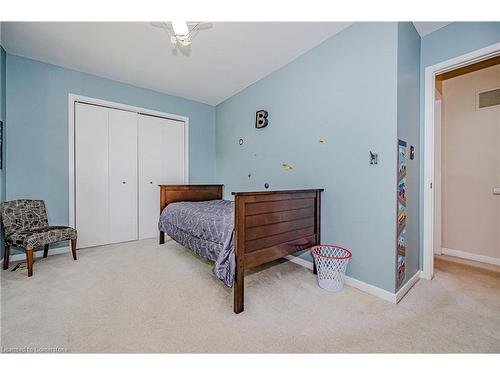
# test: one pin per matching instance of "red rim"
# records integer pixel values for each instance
(314, 252)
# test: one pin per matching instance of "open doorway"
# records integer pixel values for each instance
(461, 213)
(467, 165)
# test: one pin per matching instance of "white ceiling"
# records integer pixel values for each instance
(425, 28)
(224, 59)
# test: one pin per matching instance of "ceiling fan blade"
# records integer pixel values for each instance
(205, 25)
(185, 50)
(161, 25)
(200, 25)
(179, 49)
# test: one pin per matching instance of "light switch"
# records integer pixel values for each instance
(496, 191)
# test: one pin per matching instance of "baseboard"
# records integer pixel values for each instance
(371, 289)
(365, 287)
(471, 256)
(425, 275)
(407, 286)
(39, 254)
(300, 261)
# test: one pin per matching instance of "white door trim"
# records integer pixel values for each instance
(437, 175)
(72, 99)
(429, 146)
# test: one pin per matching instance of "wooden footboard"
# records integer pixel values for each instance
(270, 225)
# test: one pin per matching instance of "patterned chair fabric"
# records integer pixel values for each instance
(25, 224)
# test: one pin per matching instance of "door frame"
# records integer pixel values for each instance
(438, 102)
(429, 168)
(72, 100)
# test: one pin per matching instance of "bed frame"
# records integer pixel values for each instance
(268, 225)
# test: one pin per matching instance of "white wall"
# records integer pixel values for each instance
(470, 166)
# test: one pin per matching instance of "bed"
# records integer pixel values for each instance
(257, 228)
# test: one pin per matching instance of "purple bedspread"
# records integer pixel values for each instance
(205, 227)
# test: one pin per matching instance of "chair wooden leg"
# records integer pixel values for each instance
(73, 248)
(29, 259)
(45, 251)
(162, 237)
(6, 254)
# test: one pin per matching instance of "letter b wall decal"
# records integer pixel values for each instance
(261, 119)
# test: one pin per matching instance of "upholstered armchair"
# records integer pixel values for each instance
(25, 225)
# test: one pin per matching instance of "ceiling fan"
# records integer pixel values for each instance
(182, 33)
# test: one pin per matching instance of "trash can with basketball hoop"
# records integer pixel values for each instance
(331, 264)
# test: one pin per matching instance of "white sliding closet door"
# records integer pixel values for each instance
(122, 176)
(105, 175)
(91, 175)
(161, 161)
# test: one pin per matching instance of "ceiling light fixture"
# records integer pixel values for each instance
(182, 33)
(180, 28)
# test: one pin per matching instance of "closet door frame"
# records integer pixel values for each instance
(72, 100)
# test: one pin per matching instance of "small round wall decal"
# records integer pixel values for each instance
(287, 166)
(240, 141)
(249, 175)
(322, 141)
(266, 185)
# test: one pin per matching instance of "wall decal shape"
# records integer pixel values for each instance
(261, 119)
(287, 166)
(241, 141)
(402, 214)
(266, 185)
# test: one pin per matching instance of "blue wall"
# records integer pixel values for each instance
(2, 118)
(3, 80)
(345, 92)
(408, 130)
(37, 117)
(448, 42)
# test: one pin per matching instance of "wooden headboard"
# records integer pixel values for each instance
(186, 193)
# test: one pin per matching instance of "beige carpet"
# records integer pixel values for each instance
(143, 297)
